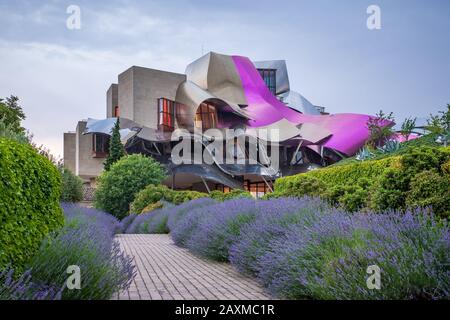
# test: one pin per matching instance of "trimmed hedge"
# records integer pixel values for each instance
(153, 194)
(418, 178)
(320, 179)
(30, 189)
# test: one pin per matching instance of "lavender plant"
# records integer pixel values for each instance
(154, 222)
(23, 288)
(273, 219)
(87, 241)
(328, 260)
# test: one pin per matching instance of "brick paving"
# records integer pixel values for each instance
(168, 272)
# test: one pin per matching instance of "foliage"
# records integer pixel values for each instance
(30, 189)
(153, 194)
(328, 259)
(390, 146)
(407, 127)
(233, 194)
(364, 154)
(87, 241)
(118, 186)
(71, 186)
(380, 129)
(116, 150)
(440, 125)
(12, 114)
(216, 231)
(9, 132)
(154, 222)
(22, 288)
(305, 249)
(153, 206)
(430, 189)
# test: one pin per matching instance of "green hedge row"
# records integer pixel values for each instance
(30, 187)
(420, 177)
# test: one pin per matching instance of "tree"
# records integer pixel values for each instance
(407, 127)
(12, 114)
(440, 125)
(117, 187)
(71, 185)
(380, 128)
(116, 150)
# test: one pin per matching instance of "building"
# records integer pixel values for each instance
(217, 92)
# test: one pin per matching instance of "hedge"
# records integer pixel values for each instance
(30, 189)
(336, 175)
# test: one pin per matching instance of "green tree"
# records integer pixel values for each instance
(71, 186)
(440, 125)
(12, 114)
(116, 151)
(118, 186)
(380, 128)
(407, 127)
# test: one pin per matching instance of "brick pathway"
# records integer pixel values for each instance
(165, 271)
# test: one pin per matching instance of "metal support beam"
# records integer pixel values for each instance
(206, 185)
(268, 185)
(296, 151)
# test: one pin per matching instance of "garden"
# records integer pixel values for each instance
(315, 237)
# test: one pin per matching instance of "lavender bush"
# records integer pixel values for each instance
(23, 288)
(328, 260)
(87, 240)
(219, 227)
(126, 222)
(273, 219)
(153, 222)
(178, 212)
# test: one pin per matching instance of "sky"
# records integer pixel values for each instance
(61, 75)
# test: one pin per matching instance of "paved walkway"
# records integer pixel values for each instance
(165, 271)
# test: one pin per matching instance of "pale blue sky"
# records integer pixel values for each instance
(62, 75)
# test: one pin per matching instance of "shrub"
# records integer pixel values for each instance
(118, 186)
(178, 212)
(30, 189)
(71, 186)
(430, 189)
(216, 231)
(153, 206)
(87, 241)
(233, 194)
(328, 259)
(272, 221)
(125, 223)
(154, 222)
(152, 194)
(22, 288)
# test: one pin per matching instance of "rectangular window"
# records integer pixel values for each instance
(166, 114)
(223, 188)
(100, 145)
(206, 116)
(257, 189)
(270, 78)
(116, 111)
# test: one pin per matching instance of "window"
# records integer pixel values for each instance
(116, 111)
(206, 116)
(223, 188)
(100, 145)
(257, 189)
(269, 77)
(166, 111)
